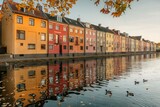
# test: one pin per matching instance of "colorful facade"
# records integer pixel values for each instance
(29, 32)
(76, 37)
(90, 39)
(58, 36)
(123, 42)
(109, 41)
(101, 39)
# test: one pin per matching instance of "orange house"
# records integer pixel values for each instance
(76, 37)
(24, 32)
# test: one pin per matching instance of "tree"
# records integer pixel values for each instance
(54, 7)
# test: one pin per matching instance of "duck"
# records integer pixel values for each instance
(136, 82)
(129, 93)
(108, 92)
(144, 80)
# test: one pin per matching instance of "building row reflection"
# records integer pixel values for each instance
(27, 84)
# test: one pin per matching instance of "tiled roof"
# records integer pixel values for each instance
(37, 13)
(73, 22)
(137, 37)
(54, 18)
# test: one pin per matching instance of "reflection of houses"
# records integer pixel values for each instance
(124, 61)
(109, 68)
(58, 78)
(76, 74)
(117, 66)
(90, 72)
(101, 69)
(58, 36)
(30, 84)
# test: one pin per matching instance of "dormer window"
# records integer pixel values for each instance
(23, 9)
(43, 24)
(59, 18)
(32, 11)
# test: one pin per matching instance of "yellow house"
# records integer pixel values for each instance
(24, 32)
(123, 43)
(30, 84)
(109, 41)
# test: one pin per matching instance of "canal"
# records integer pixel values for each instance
(131, 81)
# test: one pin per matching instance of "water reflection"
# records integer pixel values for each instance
(71, 82)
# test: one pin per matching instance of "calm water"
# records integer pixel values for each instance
(82, 83)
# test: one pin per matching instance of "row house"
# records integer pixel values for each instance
(123, 43)
(138, 43)
(25, 33)
(117, 41)
(109, 41)
(126, 42)
(132, 41)
(76, 37)
(90, 39)
(58, 36)
(101, 39)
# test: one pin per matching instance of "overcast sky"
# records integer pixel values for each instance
(143, 19)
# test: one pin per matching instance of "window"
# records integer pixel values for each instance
(43, 36)
(19, 19)
(43, 24)
(86, 47)
(56, 38)
(71, 47)
(94, 48)
(64, 38)
(81, 32)
(59, 18)
(86, 32)
(50, 26)
(71, 39)
(90, 33)
(64, 47)
(76, 31)
(31, 73)
(81, 47)
(94, 33)
(43, 46)
(70, 30)
(31, 46)
(21, 34)
(31, 22)
(43, 72)
(50, 37)
(50, 47)
(57, 27)
(21, 87)
(81, 40)
(64, 28)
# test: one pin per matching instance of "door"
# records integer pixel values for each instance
(60, 49)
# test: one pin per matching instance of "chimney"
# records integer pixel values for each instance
(39, 7)
(99, 25)
(107, 27)
(78, 19)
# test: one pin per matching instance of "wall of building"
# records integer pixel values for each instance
(109, 42)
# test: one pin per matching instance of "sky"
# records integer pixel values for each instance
(143, 19)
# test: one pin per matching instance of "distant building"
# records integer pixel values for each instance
(109, 41)
(24, 32)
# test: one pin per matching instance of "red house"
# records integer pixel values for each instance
(58, 36)
(58, 78)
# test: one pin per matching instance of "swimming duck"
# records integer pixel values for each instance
(108, 92)
(129, 93)
(145, 80)
(136, 82)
